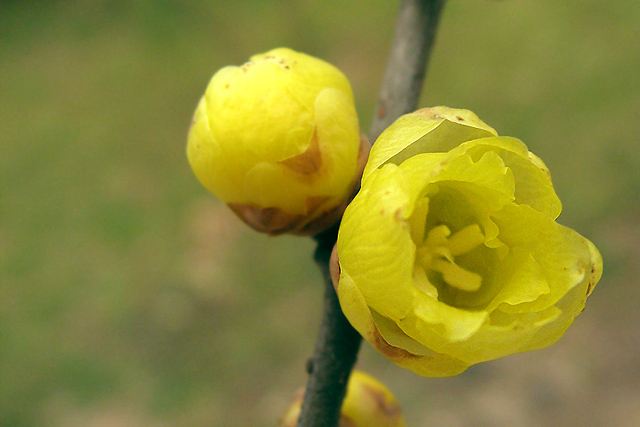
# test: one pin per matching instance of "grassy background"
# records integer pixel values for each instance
(130, 297)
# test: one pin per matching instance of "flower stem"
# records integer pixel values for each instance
(338, 343)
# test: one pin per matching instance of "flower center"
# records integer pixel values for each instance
(439, 252)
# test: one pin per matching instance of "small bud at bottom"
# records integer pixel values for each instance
(368, 403)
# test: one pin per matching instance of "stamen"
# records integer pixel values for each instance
(457, 276)
(465, 240)
(437, 236)
(438, 254)
(443, 252)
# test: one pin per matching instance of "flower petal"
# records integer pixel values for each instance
(375, 246)
(430, 130)
(562, 252)
(206, 158)
(336, 120)
(425, 362)
(431, 318)
(533, 184)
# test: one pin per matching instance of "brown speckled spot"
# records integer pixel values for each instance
(460, 118)
(427, 112)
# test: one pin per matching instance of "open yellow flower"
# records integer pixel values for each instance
(450, 254)
(277, 139)
(368, 403)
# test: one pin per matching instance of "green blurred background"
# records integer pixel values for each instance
(130, 297)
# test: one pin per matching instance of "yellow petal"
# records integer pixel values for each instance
(562, 253)
(429, 130)
(374, 243)
(357, 311)
(430, 318)
(533, 184)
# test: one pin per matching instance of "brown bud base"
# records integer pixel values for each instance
(275, 221)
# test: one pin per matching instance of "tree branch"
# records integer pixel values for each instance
(335, 353)
(338, 343)
(415, 32)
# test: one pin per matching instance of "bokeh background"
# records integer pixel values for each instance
(129, 296)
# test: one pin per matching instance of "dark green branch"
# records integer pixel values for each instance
(338, 343)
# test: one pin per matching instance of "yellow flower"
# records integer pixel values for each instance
(277, 139)
(450, 254)
(368, 403)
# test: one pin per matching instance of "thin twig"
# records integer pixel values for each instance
(415, 32)
(338, 343)
(335, 353)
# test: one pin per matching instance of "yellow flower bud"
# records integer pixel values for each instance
(450, 254)
(277, 139)
(368, 403)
